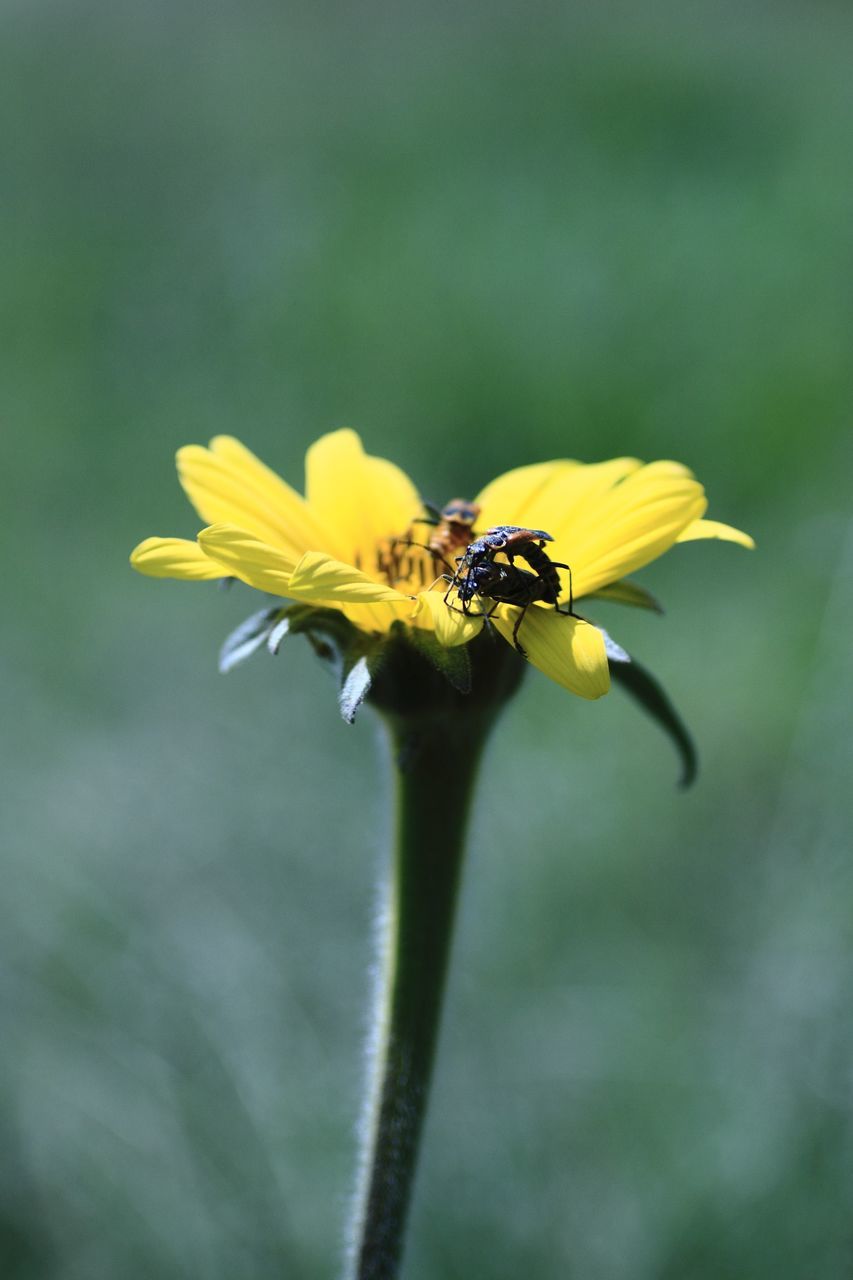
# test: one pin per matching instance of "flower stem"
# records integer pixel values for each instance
(436, 765)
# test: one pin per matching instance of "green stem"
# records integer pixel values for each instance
(436, 765)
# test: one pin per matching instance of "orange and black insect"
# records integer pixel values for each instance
(478, 573)
(503, 584)
(513, 540)
(453, 527)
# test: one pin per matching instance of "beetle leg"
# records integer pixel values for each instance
(571, 609)
(519, 621)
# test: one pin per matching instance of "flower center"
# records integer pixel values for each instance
(409, 566)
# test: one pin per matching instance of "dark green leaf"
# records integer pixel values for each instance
(644, 688)
(627, 592)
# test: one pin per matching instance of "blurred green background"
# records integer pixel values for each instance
(483, 235)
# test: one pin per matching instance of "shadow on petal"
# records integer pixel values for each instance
(568, 650)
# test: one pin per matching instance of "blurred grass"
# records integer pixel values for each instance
(483, 237)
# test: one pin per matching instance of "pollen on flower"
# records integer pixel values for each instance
(424, 556)
(409, 566)
(402, 562)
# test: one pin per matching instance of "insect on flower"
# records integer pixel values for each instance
(341, 548)
(479, 574)
(514, 540)
(453, 528)
(505, 584)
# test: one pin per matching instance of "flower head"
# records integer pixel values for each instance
(358, 544)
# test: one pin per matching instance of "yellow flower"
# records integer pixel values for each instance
(348, 544)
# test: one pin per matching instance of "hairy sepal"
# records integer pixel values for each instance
(452, 663)
(250, 636)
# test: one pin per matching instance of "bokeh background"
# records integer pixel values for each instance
(483, 235)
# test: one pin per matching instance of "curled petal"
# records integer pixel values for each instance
(175, 558)
(319, 578)
(227, 484)
(568, 650)
(254, 562)
(451, 626)
(715, 529)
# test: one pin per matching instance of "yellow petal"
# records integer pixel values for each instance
(376, 618)
(175, 558)
(549, 495)
(227, 484)
(568, 650)
(714, 529)
(362, 500)
(317, 577)
(249, 559)
(510, 498)
(627, 526)
(451, 626)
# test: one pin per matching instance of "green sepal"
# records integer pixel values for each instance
(278, 634)
(313, 622)
(404, 672)
(333, 637)
(355, 688)
(645, 689)
(628, 592)
(249, 637)
(357, 679)
(354, 656)
(614, 651)
(454, 662)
